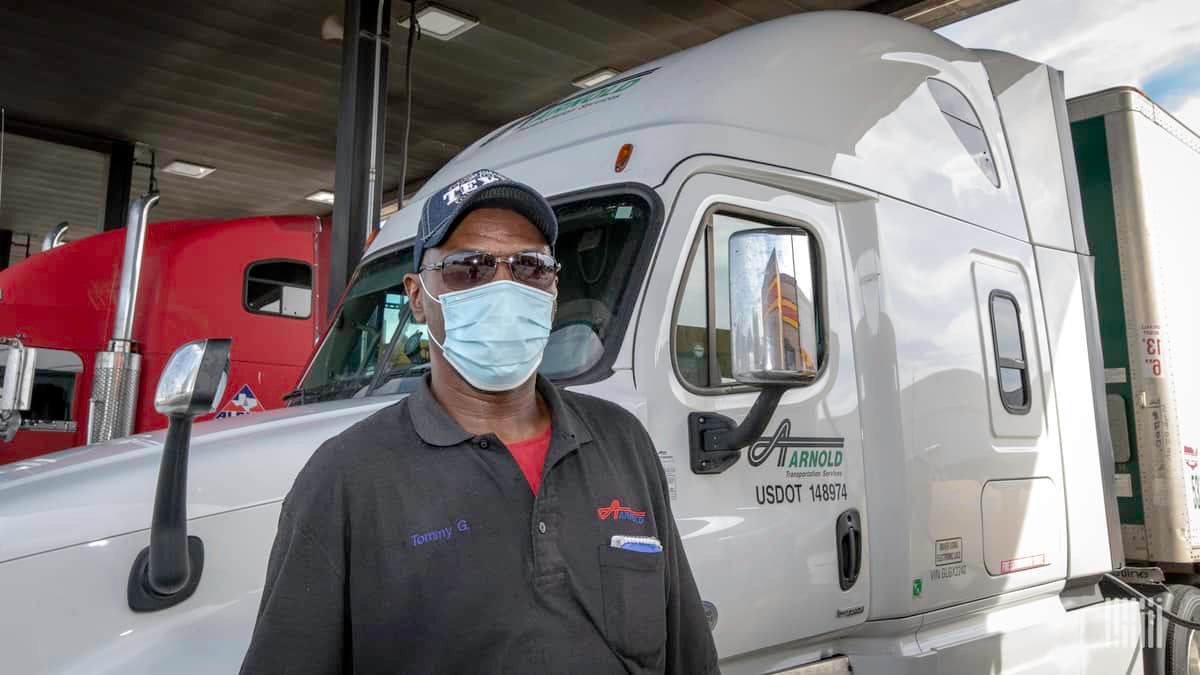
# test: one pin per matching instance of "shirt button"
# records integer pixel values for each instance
(484, 444)
(542, 527)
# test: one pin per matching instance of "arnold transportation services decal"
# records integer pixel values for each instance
(811, 467)
(243, 402)
(609, 91)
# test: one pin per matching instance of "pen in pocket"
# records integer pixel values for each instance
(637, 544)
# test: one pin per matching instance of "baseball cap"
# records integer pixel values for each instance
(483, 189)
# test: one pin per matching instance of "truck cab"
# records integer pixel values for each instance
(815, 233)
(250, 278)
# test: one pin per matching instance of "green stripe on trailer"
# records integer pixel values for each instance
(1096, 193)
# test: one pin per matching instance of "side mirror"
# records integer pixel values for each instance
(167, 571)
(772, 307)
(193, 380)
(16, 384)
(774, 334)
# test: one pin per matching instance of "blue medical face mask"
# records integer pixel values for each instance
(495, 333)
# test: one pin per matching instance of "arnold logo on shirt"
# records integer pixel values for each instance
(618, 512)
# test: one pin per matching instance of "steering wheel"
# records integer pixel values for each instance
(585, 311)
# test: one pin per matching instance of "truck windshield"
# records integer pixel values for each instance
(374, 346)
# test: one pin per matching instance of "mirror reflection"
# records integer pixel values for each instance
(772, 305)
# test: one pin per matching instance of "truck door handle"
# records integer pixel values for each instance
(849, 547)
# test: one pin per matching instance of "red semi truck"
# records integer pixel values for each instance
(100, 323)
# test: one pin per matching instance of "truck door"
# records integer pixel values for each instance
(762, 536)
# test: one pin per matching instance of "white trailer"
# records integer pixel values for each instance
(885, 222)
(1138, 170)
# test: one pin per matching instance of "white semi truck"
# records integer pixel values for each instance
(839, 268)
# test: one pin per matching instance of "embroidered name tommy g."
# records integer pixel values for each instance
(443, 534)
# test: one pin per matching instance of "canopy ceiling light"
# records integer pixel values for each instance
(592, 79)
(188, 170)
(441, 23)
(332, 29)
(321, 196)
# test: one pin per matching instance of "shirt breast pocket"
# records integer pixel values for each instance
(635, 603)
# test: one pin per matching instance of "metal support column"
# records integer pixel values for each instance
(120, 184)
(6, 242)
(361, 117)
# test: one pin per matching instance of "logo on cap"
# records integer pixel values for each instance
(456, 192)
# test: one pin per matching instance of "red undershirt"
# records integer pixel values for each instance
(531, 457)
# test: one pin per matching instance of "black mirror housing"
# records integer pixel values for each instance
(167, 571)
(194, 378)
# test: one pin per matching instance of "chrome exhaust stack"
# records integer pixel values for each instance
(54, 238)
(118, 370)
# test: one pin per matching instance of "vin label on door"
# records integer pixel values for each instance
(947, 551)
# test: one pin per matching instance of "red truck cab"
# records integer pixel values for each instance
(253, 279)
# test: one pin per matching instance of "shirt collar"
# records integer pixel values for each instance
(436, 427)
(433, 424)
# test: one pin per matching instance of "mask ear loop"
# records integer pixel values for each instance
(421, 280)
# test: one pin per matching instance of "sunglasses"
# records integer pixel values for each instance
(467, 269)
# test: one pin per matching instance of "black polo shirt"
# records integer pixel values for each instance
(407, 545)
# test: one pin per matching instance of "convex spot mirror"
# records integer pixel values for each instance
(194, 378)
(774, 314)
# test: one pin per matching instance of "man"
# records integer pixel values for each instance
(488, 522)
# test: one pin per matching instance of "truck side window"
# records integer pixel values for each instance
(702, 323)
(279, 287)
(1012, 370)
(691, 320)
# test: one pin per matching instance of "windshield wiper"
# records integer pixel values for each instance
(321, 392)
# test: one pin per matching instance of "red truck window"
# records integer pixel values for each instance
(280, 288)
